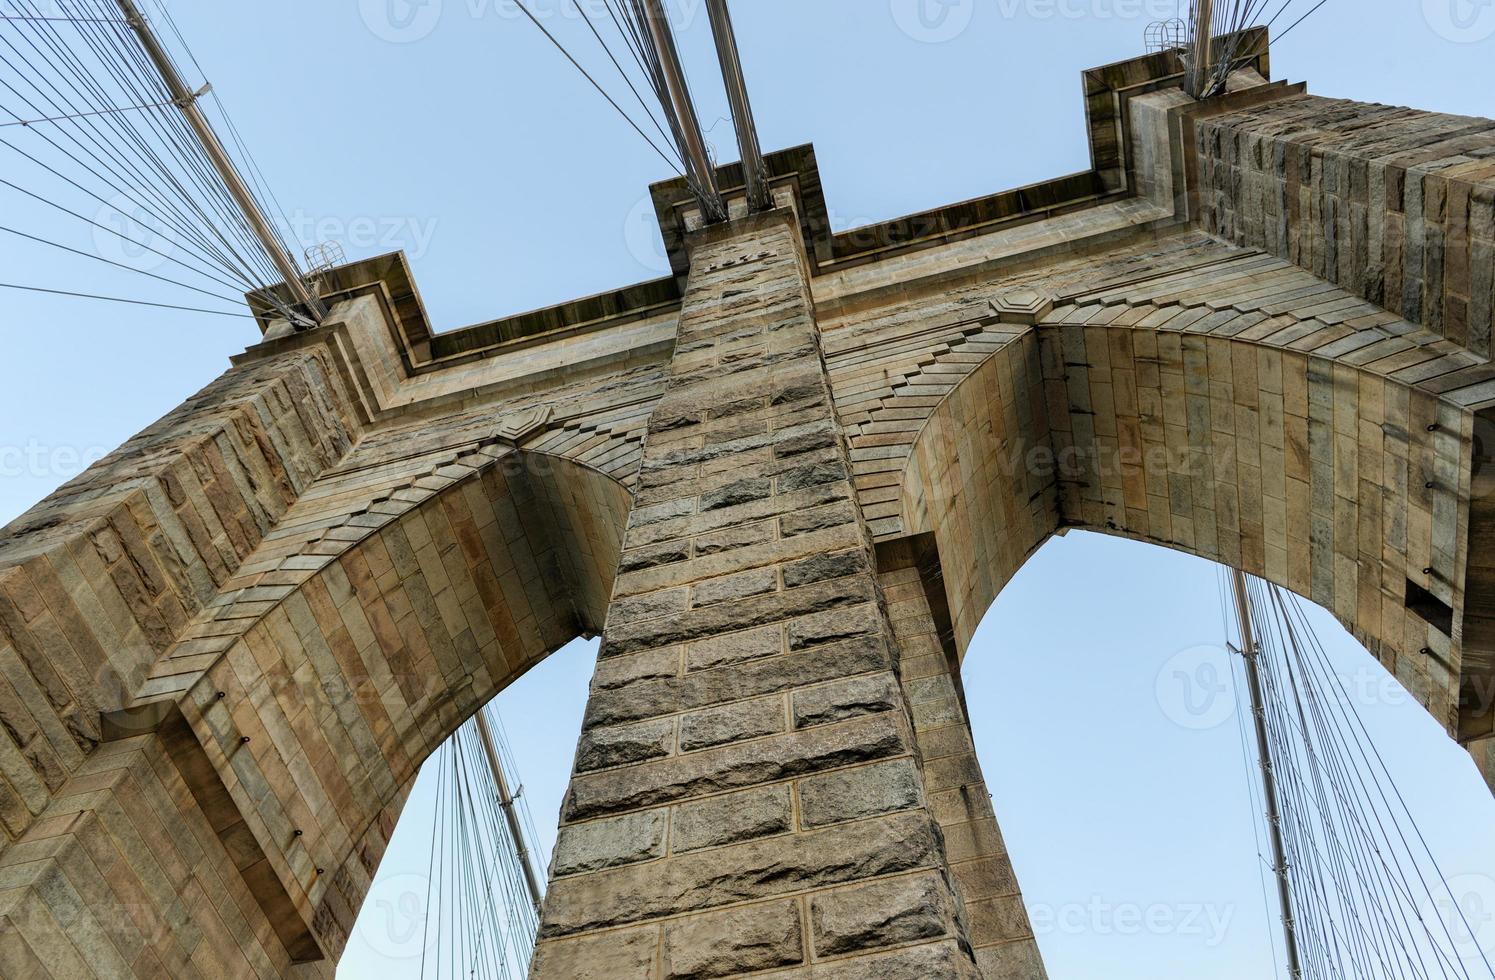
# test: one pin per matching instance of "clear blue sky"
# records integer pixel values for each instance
(479, 151)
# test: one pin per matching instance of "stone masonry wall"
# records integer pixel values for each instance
(997, 920)
(747, 794)
(98, 580)
(1395, 205)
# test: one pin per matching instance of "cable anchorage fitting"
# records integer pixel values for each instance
(189, 100)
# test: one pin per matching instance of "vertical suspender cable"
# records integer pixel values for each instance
(1251, 652)
(663, 36)
(222, 162)
(755, 173)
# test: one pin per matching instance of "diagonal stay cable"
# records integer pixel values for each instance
(1389, 909)
(580, 6)
(1351, 883)
(121, 52)
(120, 299)
(179, 226)
(109, 147)
(83, 115)
(1367, 749)
(249, 284)
(112, 182)
(119, 265)
(264, 188)
(117, 233)
(524, 8)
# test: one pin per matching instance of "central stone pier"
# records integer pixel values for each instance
(749, 792)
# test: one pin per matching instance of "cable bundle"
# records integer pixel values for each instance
(480, 921)
(1223, 24)
(641, 66)
(1368, 899)
(91, 133)
(699, 168)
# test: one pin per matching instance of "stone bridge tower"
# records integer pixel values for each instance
(784, 484)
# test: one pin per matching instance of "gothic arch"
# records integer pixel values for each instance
(1329, 477)
(266, 754)
(375, 659)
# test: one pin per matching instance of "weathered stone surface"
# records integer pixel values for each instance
(652, 665)
(986, 878)
(821, 567)
(702, 689)
(685, 525)
(758, 869)
(798, 440)
(944, 960)
(732, 818)
(639, 559)
(865, 791)
(830, 703)
(755, 581)
(741, 940)
(748, 763)
(649, 606)
(764, 555)
(602, 748)
(697, 624)
(733, 648)
(733, 723)
(1003, 918)
(802, 477)
(887, 913)
(828, 627)
(968, 841)
(740, 492)
(627, 955)
(1012, 961)
(1303, 204)
(732, 538)
(608, 843)
(658, 513)
(817, 518)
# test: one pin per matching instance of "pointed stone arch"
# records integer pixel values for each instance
(1204, 429)
(266, 752)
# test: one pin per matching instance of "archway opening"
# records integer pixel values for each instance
(542, 712)
(1113, 749)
